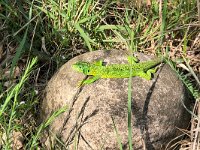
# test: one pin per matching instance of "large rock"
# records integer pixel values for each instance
(157, 107)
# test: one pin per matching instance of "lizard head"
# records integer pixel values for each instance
(81, 66)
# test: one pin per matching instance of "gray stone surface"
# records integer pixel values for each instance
(157, 107)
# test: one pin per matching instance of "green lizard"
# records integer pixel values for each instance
(98, 70)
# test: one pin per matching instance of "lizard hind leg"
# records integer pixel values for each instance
(148, 74)
(144, 75)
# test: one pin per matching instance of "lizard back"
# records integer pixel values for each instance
(122, 70)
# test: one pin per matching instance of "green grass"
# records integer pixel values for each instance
(56, 31)
(11, 106)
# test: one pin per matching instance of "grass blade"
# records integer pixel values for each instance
(19, 51)
(129, 110)
(117, 134)
(84, 36)
(16, 89)
(55, 114)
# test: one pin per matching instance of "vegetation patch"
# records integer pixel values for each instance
(37, 37)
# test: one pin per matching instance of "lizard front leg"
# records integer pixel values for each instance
(89, 81)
